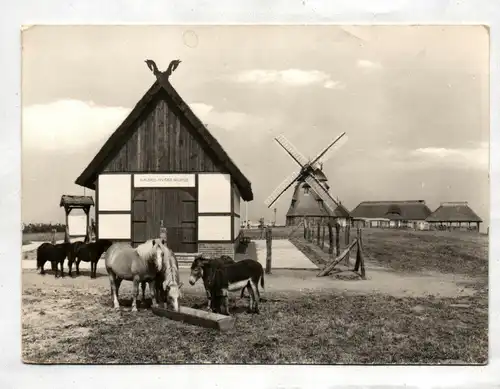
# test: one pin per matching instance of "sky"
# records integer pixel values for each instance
(413, 100)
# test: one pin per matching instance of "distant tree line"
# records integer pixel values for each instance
(43, 227)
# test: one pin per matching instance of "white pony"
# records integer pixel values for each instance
(149, 262)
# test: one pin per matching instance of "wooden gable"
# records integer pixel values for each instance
(162, 140)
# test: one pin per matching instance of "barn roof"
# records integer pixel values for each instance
(454, 212)
(311, 205)
(116, 141)
(70, 200)
(393, 210)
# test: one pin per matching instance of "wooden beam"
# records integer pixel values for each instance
(197, 317)
(328, 268)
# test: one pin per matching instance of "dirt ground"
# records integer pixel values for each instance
(378, 280)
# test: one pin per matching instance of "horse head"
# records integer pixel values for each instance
(171, 285)
(197, 269)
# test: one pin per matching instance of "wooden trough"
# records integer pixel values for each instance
(197, 317)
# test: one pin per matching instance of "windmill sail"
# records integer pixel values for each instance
(287, 183)
(320, 190)
(321, 157)
(291, 150)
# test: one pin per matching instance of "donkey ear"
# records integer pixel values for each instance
(154, 242)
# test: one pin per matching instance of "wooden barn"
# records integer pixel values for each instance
(454, 216)
(162, 167)
(392, 214)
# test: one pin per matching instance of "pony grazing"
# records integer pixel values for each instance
(225, 274)
(197, 272)
(232, 277)
(89, 252)
(55, 254)
(149, 262)
(171, 280)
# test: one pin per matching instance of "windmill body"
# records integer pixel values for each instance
(311, 198)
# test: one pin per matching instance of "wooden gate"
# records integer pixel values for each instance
(176, 207)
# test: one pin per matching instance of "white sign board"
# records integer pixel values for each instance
(77, 225)
(113, 192)
(164, 180)
(214, 228)
(114, 226)
(214, 193)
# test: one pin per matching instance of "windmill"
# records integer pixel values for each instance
(310, 176)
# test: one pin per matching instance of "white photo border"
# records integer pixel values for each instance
(14, 374)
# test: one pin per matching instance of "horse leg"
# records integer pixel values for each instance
(93, 266)
(78, 266)
(62, 267)
(225, 302)
(143, 287)
(115, 285)
(135, 293)
(152, 292)
(251, 295)
(42, 270)
(209, 298)
(256, 296)
(70, 266)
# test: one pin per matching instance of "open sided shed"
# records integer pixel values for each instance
(77, 226)
(162, 166)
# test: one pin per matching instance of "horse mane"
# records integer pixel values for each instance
(171, 269)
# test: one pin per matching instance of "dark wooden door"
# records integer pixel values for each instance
(175, 207)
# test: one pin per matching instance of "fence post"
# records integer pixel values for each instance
(269, 240)
(347, 241)
(337, 238)
(360, 261)
(318, 228)
(323, 237)
(163, 231)
(330, 238)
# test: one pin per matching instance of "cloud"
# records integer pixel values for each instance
(460, 157)
(368, 65)
(289, 77)
(231, 120)
(69, 124)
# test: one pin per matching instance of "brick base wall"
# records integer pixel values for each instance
(216, 249)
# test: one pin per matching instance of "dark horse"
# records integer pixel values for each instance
(197, 272)
(220, 277)
(90, 252)
(55, 254)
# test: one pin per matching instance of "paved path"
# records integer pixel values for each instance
(285, 255)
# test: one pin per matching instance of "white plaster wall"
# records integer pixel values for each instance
(164, 180)
(77, 225)
(114, 192)
(237, 226)
(114, 226)
(214, 193)
(214, 228)
(237, 201)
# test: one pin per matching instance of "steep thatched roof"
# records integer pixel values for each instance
(393, 210)
(116, 141)
(70, 200)
(454, 212)
(311, 205)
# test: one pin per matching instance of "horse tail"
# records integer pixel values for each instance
(262, 280)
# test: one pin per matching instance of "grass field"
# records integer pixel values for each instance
(71, 320)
